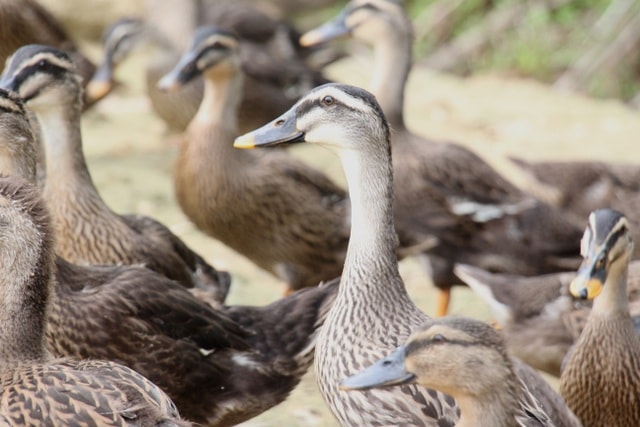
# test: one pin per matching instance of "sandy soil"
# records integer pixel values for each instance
(130, 156)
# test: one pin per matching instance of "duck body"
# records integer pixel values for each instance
(601, 377)
(285, 216)
(584, 186)
(34, 388)
(373, 313)
(221, 367)
(88, 231)
(540, 318)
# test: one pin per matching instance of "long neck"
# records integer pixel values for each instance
(392, 56)
(65, 165)
(215, 124)
(372, 245)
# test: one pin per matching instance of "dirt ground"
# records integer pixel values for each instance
(130, 156)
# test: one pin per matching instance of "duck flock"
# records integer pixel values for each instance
(111, 319)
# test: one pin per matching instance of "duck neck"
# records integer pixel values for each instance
(488, 411)
(372, 244)
(392, 57)
(65, 164)
(613, 300)
(216, 118)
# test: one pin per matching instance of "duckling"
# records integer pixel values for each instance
(444, 189)
(540, 318)
(36, 389)
(152, 324)
(87, 230)
(601, 376)
(373, 313)
(285, 216)
(27, 21)
(262, 99)
(466, 359)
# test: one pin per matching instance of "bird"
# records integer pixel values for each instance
(468, 360)
(373, 313)
(443, 189)
(262, 99)
(539, 317)
(285, 216)
(27, 22)
(584, 186)
(152, 324)
(87, 230)
(35, 388)
(600, 380)
(277, 68)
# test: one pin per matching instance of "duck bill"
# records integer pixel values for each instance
(185, 70)
(589, 280)
(330, 30)
(386, 372)
(278, 132)
(101, 83)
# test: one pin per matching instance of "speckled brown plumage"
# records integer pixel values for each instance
(27, 21)
(538, 315)
(282, 214)
(38, 390)
(444, 189)
(220, 366)
(87, 230)
(601, 376)
(467, 359)
(373, 313)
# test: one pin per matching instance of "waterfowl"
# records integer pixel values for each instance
(373, 313)
(466, 359)
(26, 22)
(282, 214)
(540, 318)
(87, 230)
(220, 366)
(276, 67)
(584, 186)
(443, 189)
(601, 377)
(36, 389)
(262, 100)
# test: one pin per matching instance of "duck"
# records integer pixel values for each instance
(287, 217)
(468, 360)
(26, 22)
(443, 189)
(87, 230)
(584, 186)
(600, 380)
(262, 100)
(35, 388)
(154, 325)
(539, 317)
(276, 67)
(372, 313)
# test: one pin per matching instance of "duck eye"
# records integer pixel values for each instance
(328, 100)
(42, 63)
(438, 338)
